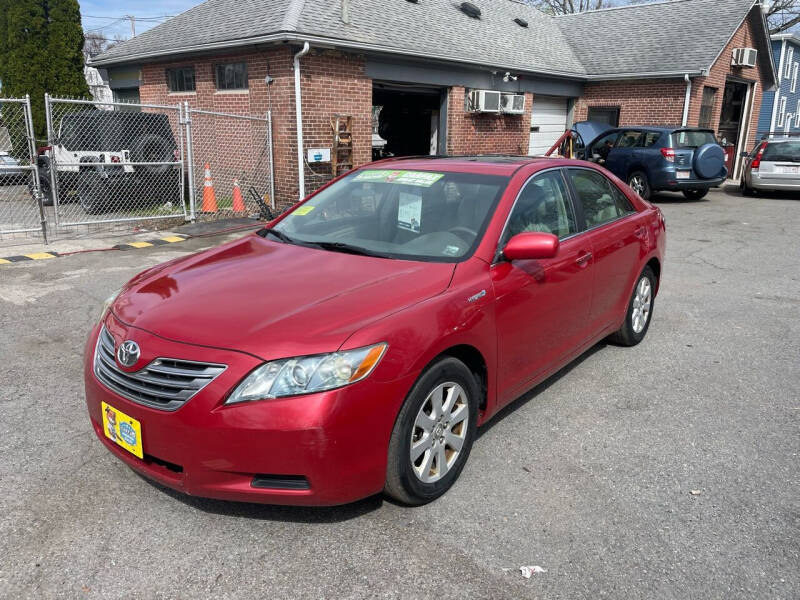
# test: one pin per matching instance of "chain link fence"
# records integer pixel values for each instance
(20, 210)
(230, 154)
(113, 162)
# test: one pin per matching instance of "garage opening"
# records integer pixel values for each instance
(549, 121)
(407, 120)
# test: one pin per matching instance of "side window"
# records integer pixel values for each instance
(603, 146)
(601, 200)
(651, 138)
(543, 205)
(629, 139)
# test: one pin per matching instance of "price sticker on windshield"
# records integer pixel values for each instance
(418, 178)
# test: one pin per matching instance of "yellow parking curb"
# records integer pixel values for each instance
(171, 239)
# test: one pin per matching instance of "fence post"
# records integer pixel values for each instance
(37, 192)
(271, 164)
(190, 160)
(48, 113)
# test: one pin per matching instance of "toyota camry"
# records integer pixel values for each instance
(355, 344)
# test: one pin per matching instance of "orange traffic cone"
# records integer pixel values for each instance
(209, 198)
(238, 201)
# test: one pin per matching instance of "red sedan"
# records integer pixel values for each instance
(355, 345)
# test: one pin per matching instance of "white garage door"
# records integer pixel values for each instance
(548, 122)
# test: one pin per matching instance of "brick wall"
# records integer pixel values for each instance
(477, 133)
(642, 102)
(332, 82)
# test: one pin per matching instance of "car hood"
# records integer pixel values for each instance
(590, 130)
(272, 299)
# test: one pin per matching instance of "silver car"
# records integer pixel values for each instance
(10, 171)
(773, 165)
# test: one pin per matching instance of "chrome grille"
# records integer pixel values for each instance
(165, 383)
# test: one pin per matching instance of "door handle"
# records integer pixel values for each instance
(583, 259)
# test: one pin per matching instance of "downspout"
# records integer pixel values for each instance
(298, 107)
(686, 100)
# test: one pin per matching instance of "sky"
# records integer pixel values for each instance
(110, 10)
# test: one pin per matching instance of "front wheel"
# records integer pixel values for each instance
(433, 433)
(639, 183)
(640, 311)
(746, 189)
(695, 194)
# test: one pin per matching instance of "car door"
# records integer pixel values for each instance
(618, 237)
(542, 306)
(623, 155)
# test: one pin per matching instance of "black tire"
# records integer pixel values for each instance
(402, 482)
(92, 194)
(695, 194)
(642, 183)
(47, 193)
(627, 334)
(746, 190)
(153, 148)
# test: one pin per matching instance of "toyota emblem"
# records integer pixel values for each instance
(128, 353)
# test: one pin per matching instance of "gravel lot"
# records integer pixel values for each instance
(669, 470)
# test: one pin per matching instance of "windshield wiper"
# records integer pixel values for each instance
(348, 248)
(277, 233)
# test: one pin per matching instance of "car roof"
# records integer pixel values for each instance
(505, 165)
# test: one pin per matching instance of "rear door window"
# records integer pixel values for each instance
(782, 152)
(690, 138)
(629, 139)
(651, 138)
(601, 200)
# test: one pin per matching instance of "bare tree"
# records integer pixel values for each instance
(563, 7)
(782, 15)
(95, 42)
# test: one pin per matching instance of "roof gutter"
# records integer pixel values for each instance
(298, 109)
(686, 100)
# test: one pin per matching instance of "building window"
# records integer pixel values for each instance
(181, 79)
(789, 57)
(707, 106)
(797, 115)
(794, 78)
(782, 111)
(604, 114)
(232, 76)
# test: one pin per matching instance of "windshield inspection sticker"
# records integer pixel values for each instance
(418, 178)
(304, 210)
(409, 211)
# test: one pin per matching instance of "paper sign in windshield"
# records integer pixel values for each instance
(409, 211)
(418, 178)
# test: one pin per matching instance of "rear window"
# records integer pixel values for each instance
(687, 138)
(783, 151)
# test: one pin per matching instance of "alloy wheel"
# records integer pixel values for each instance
(641, 305)
(439, 431)
(637, 184)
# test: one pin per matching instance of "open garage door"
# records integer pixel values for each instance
(548, 121)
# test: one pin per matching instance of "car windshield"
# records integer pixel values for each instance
(782, 152)
(417, 215)
(687, 138)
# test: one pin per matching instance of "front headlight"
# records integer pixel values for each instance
(307, 374)
(108, 302)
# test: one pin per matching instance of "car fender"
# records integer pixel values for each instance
(462, 315)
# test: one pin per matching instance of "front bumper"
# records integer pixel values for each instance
(320, 449)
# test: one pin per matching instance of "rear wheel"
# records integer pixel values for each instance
(92, 194)
(640, 311)
(746, 189)
(639, 183)
(433, 433)
(695, 194)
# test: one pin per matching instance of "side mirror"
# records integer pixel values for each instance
(534, 245)
(744, 154)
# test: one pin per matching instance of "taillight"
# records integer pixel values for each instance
(669, 154)
(176, 156)
(757, 160)
(115, 159)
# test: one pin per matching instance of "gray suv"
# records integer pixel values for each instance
(773, 165)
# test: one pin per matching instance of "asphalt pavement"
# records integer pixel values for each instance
(668, 470)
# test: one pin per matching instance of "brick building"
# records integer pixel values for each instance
(406, 72)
